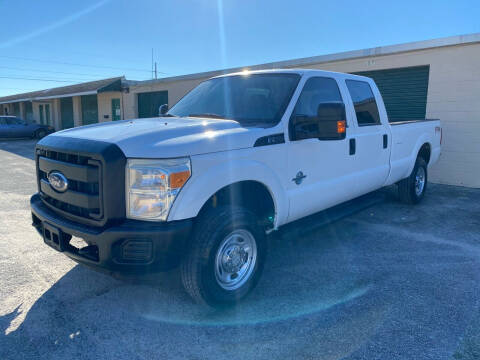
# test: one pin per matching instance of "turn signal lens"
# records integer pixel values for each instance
(341, 127)
(178, 179)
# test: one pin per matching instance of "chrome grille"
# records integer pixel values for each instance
(83, 198)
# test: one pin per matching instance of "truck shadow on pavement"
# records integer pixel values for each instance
(325, 294)
(98, 316)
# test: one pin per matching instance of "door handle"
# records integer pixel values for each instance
(353, 146)
(385, 141)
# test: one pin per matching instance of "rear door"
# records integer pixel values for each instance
(372, 136)
(320, 172)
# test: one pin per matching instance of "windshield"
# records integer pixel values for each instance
(253, 99)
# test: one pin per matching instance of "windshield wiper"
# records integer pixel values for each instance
(168, 115)
(207, 115)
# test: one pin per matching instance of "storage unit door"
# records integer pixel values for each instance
(404, 91)
(89, 109)
(149, 102)
(66, 112)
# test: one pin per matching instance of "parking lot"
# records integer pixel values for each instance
(391, 281)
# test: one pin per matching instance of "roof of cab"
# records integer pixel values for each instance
(309, 72)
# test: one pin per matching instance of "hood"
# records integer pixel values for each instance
(168, 137)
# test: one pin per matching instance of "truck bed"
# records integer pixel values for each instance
(407, 138)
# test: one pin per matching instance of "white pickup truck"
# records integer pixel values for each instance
(239, 156)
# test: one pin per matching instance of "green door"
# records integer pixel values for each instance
(42, 117)
(116, 112)
(89, 109)
(404, 91)
(16, 109)
(28, 111)
(66, 112)
(47, 114)
(149, 102)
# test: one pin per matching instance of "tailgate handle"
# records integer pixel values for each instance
(352, 146)
(385, 141)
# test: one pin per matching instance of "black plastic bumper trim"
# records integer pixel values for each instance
(168, 240)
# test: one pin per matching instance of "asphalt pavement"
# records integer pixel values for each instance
(391, 281)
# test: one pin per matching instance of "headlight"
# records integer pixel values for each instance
(152, 185)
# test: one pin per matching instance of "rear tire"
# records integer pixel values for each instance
(226, 256)
(412, 189)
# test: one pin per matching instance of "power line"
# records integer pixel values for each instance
(49, 71)
(23, 89)
(73, 64)
(37, 79)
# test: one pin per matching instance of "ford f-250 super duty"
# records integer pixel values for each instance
(236, 158)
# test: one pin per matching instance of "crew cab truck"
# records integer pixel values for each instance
(239, 156)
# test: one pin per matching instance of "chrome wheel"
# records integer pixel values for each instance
(419, 181)
(235, 259)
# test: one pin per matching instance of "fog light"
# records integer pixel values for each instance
(134, 250)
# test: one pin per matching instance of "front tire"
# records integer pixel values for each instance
(412, 189)
(226, 256)
(40, 134)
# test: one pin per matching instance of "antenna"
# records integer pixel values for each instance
(152, 64)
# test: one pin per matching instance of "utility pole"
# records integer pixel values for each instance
(155, 70)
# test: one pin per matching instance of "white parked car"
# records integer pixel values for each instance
(239, 156)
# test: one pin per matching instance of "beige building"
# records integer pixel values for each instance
(435, 79)
(68, 106)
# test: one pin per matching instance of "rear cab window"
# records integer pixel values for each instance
(366, 109)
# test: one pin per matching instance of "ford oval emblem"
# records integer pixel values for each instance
(58, 181)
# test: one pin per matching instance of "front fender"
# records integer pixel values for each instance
(199, 188)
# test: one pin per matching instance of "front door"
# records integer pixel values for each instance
(320, 171)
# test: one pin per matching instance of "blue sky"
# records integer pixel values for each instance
(68, 42)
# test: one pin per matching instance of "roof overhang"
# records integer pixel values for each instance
(90, 88)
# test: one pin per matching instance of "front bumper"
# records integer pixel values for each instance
(131, 246)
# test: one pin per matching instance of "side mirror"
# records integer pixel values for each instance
(329, 124)
(162, 110)
(331, 121)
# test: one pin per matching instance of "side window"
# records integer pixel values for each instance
(2, 121)
(318, 111)
(364, 102)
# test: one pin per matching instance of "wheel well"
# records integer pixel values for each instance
(424, 152)
(253, 195)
